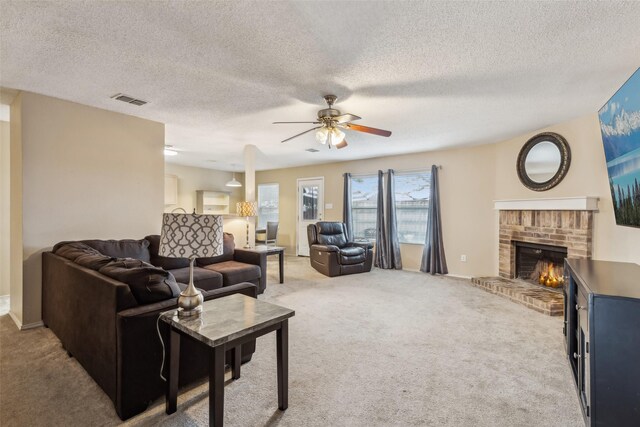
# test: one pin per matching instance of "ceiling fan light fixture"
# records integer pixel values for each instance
(321, 135)
(337, 136)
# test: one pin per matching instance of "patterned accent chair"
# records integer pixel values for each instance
(332, 254)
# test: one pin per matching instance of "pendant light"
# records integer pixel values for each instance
(234, 182)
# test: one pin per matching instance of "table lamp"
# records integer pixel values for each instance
(247, 209)
(190, 236)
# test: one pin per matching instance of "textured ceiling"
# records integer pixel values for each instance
(218, 73)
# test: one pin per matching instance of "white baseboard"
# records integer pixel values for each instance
(459, 276)
(15, 320)
(27, 326)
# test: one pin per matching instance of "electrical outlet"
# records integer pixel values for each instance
(463, 258)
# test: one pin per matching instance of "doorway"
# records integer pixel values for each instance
(310, 209)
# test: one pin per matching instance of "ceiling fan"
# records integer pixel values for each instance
(331, 122)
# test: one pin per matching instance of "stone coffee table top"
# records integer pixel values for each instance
(228, 318)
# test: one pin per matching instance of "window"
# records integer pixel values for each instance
(267, 204)
(412, 205)
(364, 201)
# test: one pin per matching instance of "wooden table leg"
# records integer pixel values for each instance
(282, 344)
(216, 386)
(237, 354)
(173, 362)
(281, 262)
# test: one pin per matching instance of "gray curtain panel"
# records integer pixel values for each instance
(347, 217)
(381, 258)
(433, 258)
(393, 244)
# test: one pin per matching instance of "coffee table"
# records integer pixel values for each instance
(272, 250)
(225, 324)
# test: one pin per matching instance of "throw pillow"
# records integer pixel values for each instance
(148, 284)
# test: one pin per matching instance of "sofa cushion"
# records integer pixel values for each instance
(168, 263)
(235, 272)
(148, 284)
(228, 246)
(126, 248)
(352, 255)
(202, 278)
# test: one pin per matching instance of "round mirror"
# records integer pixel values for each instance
(543, 161)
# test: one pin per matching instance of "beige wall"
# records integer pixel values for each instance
(87, 173)
(466, 187)
(5, 171)
(191, 179)
(15, 211)
(471, 179)
(587, 176)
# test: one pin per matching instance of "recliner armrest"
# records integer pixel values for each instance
(325, 248)
(363, 245)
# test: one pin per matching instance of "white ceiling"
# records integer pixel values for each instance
(218, 73)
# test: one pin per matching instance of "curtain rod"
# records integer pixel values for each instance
(397, 171)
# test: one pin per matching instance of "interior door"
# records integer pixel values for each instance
(310, 209)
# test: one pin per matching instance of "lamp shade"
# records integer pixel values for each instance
(186, 235)
(234, 182)
(247, 208)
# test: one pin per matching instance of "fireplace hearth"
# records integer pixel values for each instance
(540, 264)
(535, 236)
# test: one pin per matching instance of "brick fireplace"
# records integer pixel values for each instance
(562, 226)
(570, 229)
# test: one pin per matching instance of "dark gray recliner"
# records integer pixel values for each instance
(332, 254)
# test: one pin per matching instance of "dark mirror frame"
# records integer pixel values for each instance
(565, 161)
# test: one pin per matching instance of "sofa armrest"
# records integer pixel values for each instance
(255, 258)
(325, 248)
(249, 257)
(245, 288)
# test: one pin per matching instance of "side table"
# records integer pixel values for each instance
(226, 323)
(272, 250)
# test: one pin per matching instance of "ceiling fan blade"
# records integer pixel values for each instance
(342, 144)
(345, 118)
(280, 123)
(367, 129)
(301, 133)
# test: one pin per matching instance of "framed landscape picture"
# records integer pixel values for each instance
(620, 126)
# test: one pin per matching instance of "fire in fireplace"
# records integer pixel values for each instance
(540, 264)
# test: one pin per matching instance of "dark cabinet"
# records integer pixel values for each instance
(602, 339)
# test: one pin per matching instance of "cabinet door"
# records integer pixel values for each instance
(584, 375)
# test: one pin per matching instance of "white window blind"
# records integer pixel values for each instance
(268, 201)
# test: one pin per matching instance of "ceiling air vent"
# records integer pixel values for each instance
(312, 150)
(128, 99)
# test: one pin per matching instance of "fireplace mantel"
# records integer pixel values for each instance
(582, 203)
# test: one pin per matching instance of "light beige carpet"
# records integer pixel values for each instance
(387, 348)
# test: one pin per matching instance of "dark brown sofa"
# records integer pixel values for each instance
(109, 326)
(332, 254)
